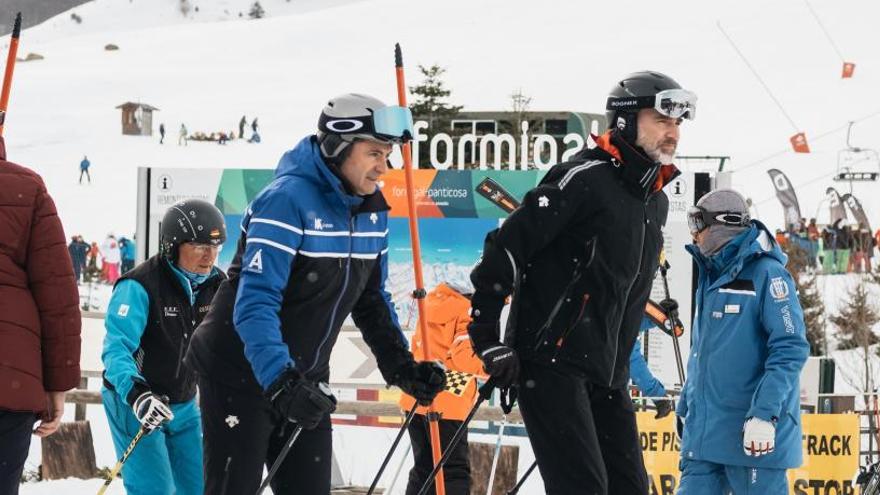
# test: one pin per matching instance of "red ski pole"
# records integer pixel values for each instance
(10, 67)
(419, 293)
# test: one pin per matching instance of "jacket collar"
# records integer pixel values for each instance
(667, 172)
(755, 242)
(305, 161)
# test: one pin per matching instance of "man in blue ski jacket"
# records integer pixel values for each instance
(313, 250)
(740, 406)
(150, 321)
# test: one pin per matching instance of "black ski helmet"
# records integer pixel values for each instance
(633, 93)
(191, 220)
(347, 118)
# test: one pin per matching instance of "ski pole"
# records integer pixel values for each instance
(121, 461)
(399, 468)
(406, 422)
(664, 266)
(522, 480)
(10, 67)
(496, 455)
(419, 293)
(280, 459)
(484, 393)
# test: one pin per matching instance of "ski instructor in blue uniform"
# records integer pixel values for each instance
(313, 250)
(740, 406)
(150, 321)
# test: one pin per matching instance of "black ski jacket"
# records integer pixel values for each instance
(580, 254)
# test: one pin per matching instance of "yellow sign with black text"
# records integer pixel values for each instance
(660, 449)
(830, 443)
(831, 455)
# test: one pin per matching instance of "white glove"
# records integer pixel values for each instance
(151, 411)
(759, 437)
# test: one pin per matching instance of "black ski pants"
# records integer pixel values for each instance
(456, 471)
(15, 440)
(584, 436)
(243, 433)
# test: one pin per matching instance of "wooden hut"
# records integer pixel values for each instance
(137, 118)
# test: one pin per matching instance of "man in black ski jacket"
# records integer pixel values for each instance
(579, 255)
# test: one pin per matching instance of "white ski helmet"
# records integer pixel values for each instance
(352, 116)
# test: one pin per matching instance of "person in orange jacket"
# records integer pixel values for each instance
(448, 310)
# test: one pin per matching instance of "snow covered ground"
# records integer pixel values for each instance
(208, 68)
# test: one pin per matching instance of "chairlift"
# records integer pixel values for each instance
(856, 164)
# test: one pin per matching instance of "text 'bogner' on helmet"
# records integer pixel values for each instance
(191, 220)
(647, 89)
(352, 116)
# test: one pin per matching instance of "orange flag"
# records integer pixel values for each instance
(848, 69)
(799, 143)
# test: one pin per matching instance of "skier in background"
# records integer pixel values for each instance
(84, 169)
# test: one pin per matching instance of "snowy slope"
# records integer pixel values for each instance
(283, 68)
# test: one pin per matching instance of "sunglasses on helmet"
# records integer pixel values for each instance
(699, 219)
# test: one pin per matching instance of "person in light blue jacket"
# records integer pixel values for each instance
(150, 320)
(642, 377)
(740, 407)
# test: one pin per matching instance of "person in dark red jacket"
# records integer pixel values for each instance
(40, 322)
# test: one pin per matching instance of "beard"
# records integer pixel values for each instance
(655, 149)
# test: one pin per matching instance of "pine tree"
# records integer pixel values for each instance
(430, 104)
(256, 11)
(856, 320)
(810, 299)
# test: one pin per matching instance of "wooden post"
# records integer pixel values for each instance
(80, 413)
(69, 452)
(481, 463)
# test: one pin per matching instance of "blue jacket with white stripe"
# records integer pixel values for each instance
(748, 348)
(310, 255)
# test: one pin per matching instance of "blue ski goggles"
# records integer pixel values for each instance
(392, 123)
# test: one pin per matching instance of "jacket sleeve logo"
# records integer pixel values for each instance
(256, 264)
(778, 289)
(543, 202)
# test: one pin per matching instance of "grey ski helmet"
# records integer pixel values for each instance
(191, 220)
(646, 89)
(353, 116)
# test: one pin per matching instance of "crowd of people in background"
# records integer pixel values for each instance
(102, 263)
(220, 137)
(833, 248)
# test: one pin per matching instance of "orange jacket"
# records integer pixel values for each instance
(449, 343)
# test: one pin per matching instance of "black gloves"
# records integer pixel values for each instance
(664, 407)
(422, 380)
(502, 363)
(670, 306)
(300, 400)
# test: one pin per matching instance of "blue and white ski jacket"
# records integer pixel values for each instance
(310, 254)
(748, 348)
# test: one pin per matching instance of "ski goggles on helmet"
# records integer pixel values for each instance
(673, 103)
(392, 123)
(699, 219)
